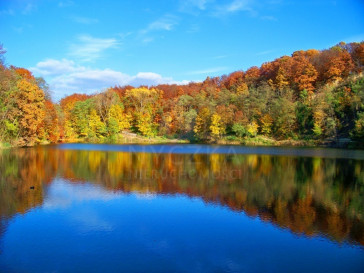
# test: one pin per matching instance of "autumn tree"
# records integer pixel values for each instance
(29, 112)
(96, 128)
(51, 123)
(217, 128)
(202, 124)
(283, 114)
(142, 98)
(117, 120)
(145, 124)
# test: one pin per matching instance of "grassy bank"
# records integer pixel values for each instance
(267, 141)
(4, 145)
(132, 138)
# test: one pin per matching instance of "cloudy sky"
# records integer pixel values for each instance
(85, 46)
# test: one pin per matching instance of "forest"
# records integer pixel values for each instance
(313, 95)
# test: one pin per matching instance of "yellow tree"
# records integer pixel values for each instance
(201, 127)
(217, 128)
(118, 118)
(252, 129)
(282, 79)
(96, 127)
(145, 124)
(69, 132)
(266, 124)
(142, 98)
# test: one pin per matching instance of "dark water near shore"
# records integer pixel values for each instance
(181, 208)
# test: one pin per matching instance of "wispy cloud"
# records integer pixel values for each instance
(166, 22)
(147, 40)
(233, 7)
(191, 6)
(25, 7)
(124, 35)
(66, 77)
(207, 71)
(90, 48)
(84, 20)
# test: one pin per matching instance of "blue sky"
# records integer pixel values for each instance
(84, 46)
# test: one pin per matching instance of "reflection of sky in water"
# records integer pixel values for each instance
(219, 149)
(86, 227)
(61, 194)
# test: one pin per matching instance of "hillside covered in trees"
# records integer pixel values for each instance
(310, 95)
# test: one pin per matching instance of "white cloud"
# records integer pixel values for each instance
(207, 71)
(87, 81)
(90, 48)
(151, 78)
(161, 25)
(56, 67)
(66, 77)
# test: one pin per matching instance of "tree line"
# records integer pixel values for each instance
(312, 94)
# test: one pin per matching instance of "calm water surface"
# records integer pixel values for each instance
(181, 208)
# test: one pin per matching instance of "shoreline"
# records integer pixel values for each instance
(255, 141)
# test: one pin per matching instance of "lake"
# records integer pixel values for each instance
(181, 208)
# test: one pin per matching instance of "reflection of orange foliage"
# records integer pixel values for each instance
(283, 190)
(17, 195)
(304, 215)
(51, 122)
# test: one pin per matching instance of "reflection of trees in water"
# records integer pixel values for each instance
(22, 173)
(306, 195)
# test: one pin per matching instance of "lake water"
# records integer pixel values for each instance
(181, 208)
